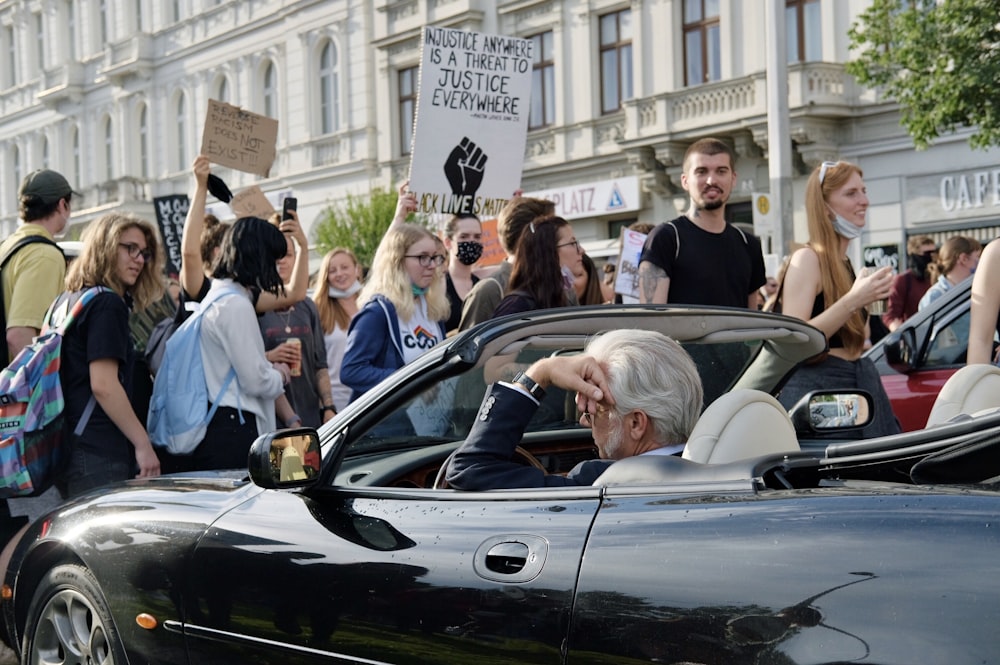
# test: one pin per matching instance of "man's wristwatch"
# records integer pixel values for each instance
(327, 407)
(529, 384)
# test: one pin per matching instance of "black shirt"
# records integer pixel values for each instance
(456, 303)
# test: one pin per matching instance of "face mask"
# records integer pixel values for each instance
(920, 263)
(350, 291)
(844, 228)
(567, 276)
(469, 252)
(418, 291)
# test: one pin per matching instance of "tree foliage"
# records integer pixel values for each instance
(358, 223)
(939, 60)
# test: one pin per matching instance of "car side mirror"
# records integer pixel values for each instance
(832, 411)
(901, 350)
(286, 458)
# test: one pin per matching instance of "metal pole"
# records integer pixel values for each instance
(779, 143)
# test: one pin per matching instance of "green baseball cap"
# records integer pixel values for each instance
(47, 185)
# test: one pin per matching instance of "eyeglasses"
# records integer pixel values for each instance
(591, 418)
(575, 245)
(823, 169)
(428, 260)
(134, 251)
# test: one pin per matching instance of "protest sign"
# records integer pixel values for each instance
(251, 202)
(471, 121)
(171, 212)
(242, 140)
(627, 273)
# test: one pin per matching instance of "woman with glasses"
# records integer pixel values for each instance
(122, 254)
(548, 255)
(819, 286)
(403, 308)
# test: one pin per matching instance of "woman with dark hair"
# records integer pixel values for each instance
(463, 238)
(587, 283)
(120, 252)
(819, 287)
(230, 338)
(548, 254)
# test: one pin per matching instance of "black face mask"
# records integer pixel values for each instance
(919, 263)
(469, 252)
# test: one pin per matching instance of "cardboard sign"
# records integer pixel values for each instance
(251, 202)
(471, 123)
(627, 273)
(171, 211)
(493, 254)
(242, 140)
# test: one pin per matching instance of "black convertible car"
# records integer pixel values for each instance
(766, 545)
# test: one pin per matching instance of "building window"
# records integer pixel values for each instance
(329, 98)
(407, 107)
(138, 15)
(18, 175)
(109, 150)
(175, 10)
(270, 91)
(40, 37)
(103, 21)
(702, 50)
(222, 94)
(143, 142)
(802, 27)
(11, 57)
(543, 82)
(71, 28)
(616, 59)
(182, 157)
(75, 141)
(46, 161)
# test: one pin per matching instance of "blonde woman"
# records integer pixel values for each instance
(819, 286)
(335, 293)
(403, 308)
(120, 252)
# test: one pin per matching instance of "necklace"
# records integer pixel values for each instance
(288, 316)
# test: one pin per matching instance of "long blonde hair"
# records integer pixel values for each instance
(331, 313)
(836, 276)
(98, 262)
(389, 277)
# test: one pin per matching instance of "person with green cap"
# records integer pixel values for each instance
(33, 266)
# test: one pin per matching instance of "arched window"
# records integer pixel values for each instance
(329, 80)
(109, 149)
(223, 92)
(143, 141)
(182, 157)
(270, 89)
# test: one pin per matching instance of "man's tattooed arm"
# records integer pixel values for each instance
(654, 285)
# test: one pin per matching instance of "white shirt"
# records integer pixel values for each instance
(230, 337)
(419, 333)
(336, 346)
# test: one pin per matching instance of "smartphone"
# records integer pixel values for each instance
(290, 203)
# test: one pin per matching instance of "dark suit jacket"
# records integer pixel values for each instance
(483, 462)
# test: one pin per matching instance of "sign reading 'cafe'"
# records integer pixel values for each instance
(951, 196)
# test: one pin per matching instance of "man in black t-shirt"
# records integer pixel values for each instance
(699, 258)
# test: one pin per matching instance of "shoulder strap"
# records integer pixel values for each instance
(677, 234)
(23, 242)
(74, 310)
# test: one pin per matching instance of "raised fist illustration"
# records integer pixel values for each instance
(464, 169)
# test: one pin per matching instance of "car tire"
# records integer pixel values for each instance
(69, 621)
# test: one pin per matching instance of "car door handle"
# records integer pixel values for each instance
(507, 558)
(511, 557)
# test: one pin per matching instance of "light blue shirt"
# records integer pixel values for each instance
(940, 287)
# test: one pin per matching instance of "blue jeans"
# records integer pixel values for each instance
(87, 470)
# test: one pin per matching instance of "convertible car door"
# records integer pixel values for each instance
(385, 575)
(719, 575)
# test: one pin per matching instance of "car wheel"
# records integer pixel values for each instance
(70, 622)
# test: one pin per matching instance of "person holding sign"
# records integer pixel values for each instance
(403, 308)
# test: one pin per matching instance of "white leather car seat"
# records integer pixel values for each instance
(739, 425)
(971, 389)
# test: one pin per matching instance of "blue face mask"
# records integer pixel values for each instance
(844, 228)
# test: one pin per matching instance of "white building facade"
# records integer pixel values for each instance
(113, 93)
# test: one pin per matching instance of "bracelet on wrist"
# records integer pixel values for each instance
(327, 407)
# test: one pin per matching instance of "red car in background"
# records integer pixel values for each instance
(917, 358)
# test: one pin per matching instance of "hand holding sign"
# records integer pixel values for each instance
(464, 169)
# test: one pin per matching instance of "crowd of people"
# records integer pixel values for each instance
(299, 359)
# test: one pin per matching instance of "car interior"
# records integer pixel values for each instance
(743, 436)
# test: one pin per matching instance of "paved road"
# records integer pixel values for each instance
(7, 656)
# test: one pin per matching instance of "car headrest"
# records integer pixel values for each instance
(742, 423)
(971, 389)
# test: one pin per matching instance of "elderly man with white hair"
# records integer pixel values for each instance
(639, 393)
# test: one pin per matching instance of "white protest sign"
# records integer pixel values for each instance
(472, 121)
(627, 273)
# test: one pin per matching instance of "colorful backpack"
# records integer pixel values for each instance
(33, 445)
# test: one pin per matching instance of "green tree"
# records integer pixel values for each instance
(939, 60)
(357, 222)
